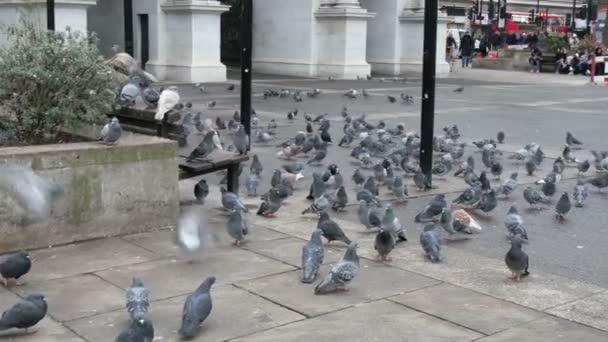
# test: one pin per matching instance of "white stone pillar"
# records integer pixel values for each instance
(72, 13)
(412, 29)
(341, 36)
(191, 42)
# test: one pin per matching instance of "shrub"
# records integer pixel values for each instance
(51, 81)
(554, 43)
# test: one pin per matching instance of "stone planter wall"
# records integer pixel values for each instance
(109, 190)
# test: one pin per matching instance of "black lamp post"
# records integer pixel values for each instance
(50, 15)
(427, 119)
(246, 46)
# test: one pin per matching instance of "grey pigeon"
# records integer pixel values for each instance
(430, 241)
(25, 314)
(517, 260)
(251, 184)
(237, 227)
(469, 198)
(488, 201)
(111, 132)
(342, 274)
(515, 224)
(197, 308)
(150, 97)
(331, 230)
(363, 214)
(371, 186)
(202, 151)
(317, 157)
(500, 137)
(33, 193)
(384, 243)
(231, 201)
(580, 192)
(583, 166)
(571, 140)
(241, 140)
(447, 221)
(485, 182)
(599, 182)
(496, 169)
(399, 188)
(366, 196)
(138, 300)
(341, 199)
(318, 186)
(137, 331)
(549, 188)
(129, 93)
(563, 206)
(433, 210)
(293, 168)
(391, 223)
(275, 180)
(509, 185)
(533, 197)
(15, 266)
(420, 181)
(312, 257)
(271, 205)
(321, 204)
(201, 190)
(256, 167)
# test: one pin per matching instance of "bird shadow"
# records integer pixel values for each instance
(17, 334)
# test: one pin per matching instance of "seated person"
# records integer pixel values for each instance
(562, 67)
(535, 60)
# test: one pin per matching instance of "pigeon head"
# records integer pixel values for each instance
(114, 120)
(351, 252)
(36, 298)
(188, 104)
(206, 285)
(137, 282)
(514, 175)
(23, 254)
(316, 235)
(512, 210)
(223, 190)
(333, 168)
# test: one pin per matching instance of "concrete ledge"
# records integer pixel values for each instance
(109, 190)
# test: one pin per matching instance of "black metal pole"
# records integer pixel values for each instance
(50, 15)
(572, 23)
(246, 46)
(427, 120)
(537, 10)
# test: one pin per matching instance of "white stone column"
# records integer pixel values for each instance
(72, 13)
(191, 42)
(412, 29)
(341, 36)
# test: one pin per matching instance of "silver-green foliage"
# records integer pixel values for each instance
(51, 81)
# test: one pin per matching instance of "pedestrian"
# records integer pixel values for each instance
(466, 49)
(535, 60)
(451, 50)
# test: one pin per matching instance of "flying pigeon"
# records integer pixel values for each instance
(391, 99)
(583, 166)
(197, 308)
(312, 257)
(430, 241)
(138, 300)
(14, 267)
(111, 132)
(599, 182)
(342, 273)
(459, 90)
(25, 314)
(517, 260)
(193, 234)
(237, 227)
(169, 98)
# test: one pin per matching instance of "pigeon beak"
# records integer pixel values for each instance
(141, 321)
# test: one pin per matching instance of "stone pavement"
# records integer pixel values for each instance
(258, 296)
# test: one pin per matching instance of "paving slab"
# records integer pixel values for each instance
(172, 277)
(289, 251)
(85, 257)
(235, 313)
(375, 281)
(467, 308)
(380, 321)
(46, 330)
(592, 311)
(551, 330)
(77, 296)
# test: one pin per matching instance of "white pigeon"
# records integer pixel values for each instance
(169, 98)
(192, 233)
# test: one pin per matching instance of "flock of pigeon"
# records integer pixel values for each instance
(388, 157)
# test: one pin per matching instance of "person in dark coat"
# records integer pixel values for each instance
(466, 49)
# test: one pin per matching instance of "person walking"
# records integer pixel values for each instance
(466, 49)
(451, 50)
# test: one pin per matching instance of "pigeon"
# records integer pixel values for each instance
(137, 331)
(391, 99)
(420, 181)
(571, 140)
(430, 241)
(138, 300)
(211, 104)
(241, 140)
(150, 97)
(318, 157)
(447, 221)
(370, 185)
(467, 165)
(15, 266)
(485, 182)
(111, 132)
(231, 87)
(341, 199)
(500, 137)
(294, 168)
(312, 257)
(469, 198)
(169, 98)
(514, 223)
(363, 213)
(275, 180)
(442, 168)
(197, 308)
(129, 93)
(391, 223)
(33, 193)
(530, 166)
(201, 190)
(563, 206)
(331, 230)
(192, 232)
(399, 188)
(433, 210)
(488, 201)
(580, 192)
(231, 201)
(256, 167)
(358, 178)
(517, 260)
(509, 185)
(342, 274)
(533, 197)
(496, 169)
(271, 205)
(459, 90)
(237, 227)
(549, 188)
(25, 314)
(583, 166)
(321, 204)
(318, 186)
(202, 151)
(251, 184)
(384, 244)
(599, 182)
